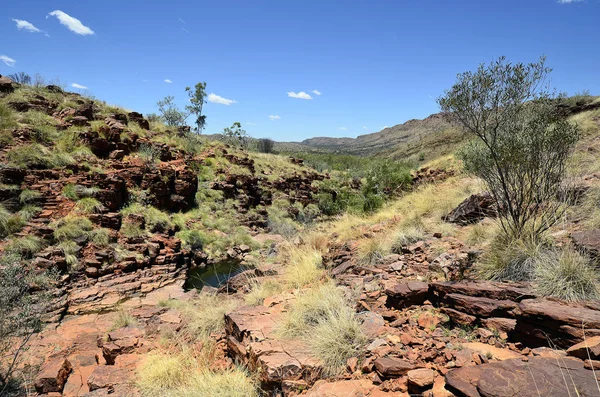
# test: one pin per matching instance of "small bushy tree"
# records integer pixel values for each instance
(265, 145)
(236, 135)
(522, 141)
(197, 97)
(21, 78)
(170, 113)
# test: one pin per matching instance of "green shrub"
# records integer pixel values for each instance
(28, 196)
(406, 236)
(25, 246)
(280, 223)
(72, 227)
(9, 222)
(193, 239)
(8, 118)
(70, 191)
(156, 220)
(43, 127)
(6, 138)
(69, 249)
(37, 156)
(132, 230)
(89, 205)
(100, 237)
(148, 153)
(29, 211)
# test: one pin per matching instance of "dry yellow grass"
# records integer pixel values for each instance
(323, 316)
(304, 266)
(163, 374)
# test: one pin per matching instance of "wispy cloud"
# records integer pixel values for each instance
(343, 129)
(25, 25)
(7, 60)
(299, 95)
(185, 30)
(365, 127)
(73, 24)
(274, 117)
(569, 1)
(79, 86)
(168, 81)
(182, 21)
(214, 98)
(316, 92)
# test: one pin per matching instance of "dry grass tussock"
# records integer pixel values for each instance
(204, 315)
(180, 375)
(323, 317)
(561, 272)
(183, 367)
(371, 251)
(304, 266)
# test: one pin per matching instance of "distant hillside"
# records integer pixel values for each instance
(426, 139)
(430, 137)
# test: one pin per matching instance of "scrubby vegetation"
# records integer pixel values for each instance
(324, 317)
(265, 210)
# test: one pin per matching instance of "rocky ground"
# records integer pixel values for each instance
(431, 328)
(430, 338)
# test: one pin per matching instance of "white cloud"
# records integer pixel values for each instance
(569, 1)
(316, 92)
(384, 127)
(73, 24)
(274, 117)
(343, 129)
(299, 95)
(79, 86)
(7, 60)
(28, 26)
(168, 81)
(182, 21)
(185, 30)
(365, 127)
(214, 98)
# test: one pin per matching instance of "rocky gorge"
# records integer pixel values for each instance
(122, 212)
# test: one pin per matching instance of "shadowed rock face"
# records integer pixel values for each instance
(472, 209)
(539, 376)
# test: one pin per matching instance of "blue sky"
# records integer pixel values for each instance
(374, 63)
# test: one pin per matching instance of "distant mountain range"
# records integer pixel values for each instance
(429, 137)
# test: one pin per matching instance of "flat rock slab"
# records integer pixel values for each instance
(588, 349)
(480, 306)
(404, 294)
(588, 240)
(537, 377)
(561, 321)
(392, 367)
(347, 388)
(252, 340)
(485, 289)
(497, 353)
